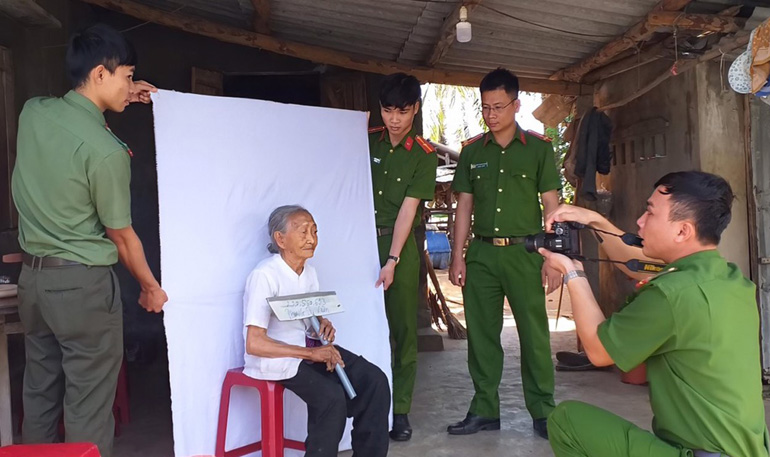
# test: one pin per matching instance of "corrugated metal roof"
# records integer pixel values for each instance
(533, 39)
(538, 50)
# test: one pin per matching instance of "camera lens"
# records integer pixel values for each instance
(534, 242)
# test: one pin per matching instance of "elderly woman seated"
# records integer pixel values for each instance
(276, 350)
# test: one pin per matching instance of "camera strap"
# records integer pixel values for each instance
(630, 239)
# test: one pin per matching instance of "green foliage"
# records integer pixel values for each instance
(560, 148)
(451, 114)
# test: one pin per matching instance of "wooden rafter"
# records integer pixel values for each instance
(448, 32)
(701, 22)
(318, 54)
(725, 46)
(261, 20)
(29, 13)
(641, 31)
(648, 55)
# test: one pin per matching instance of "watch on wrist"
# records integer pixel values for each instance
(574, 274)
(394, 258)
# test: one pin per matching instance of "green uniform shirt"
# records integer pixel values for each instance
(71, 180)
(407, 169)
(697, 327)
(505, 182)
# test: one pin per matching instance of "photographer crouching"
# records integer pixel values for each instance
(696, 326)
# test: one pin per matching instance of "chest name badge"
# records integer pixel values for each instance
(376, 160)
(475, 166)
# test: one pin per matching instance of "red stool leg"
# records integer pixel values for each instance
(121, 394)
(224, 409)
(271, 396)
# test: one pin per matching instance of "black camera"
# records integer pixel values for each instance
(565, 239)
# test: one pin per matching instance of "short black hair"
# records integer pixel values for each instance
(97, 45)
(703, 197)
(501, 79)
(399, 90)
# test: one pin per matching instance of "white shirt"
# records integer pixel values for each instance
(274, 277)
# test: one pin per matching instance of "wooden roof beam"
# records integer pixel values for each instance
(234, 35)
(650, 54)
(700, 22)
(28, 13)
(724, 46)
(261, 20)
(448, 32)
(641, 31)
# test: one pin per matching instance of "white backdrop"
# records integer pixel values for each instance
(223, 165)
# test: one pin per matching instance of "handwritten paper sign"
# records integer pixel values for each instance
(302, 306)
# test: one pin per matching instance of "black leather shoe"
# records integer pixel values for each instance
(472, 424)
(541, 427)
(402, 431)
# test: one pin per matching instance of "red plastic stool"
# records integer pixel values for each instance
(271, 398)
(120, 406)
(51, 450)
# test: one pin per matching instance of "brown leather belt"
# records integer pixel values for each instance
(501, 241)
(382, 231)
(46, 262)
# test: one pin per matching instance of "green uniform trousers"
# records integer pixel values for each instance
(401, 309)
(73, 328)
(494, 272)
(577, 429)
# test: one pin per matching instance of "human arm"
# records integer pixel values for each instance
(111, 195)
(615, 248)
(401, 230)
(587, 313)
(462, 228)
(260, 345)
(551, 278)
(131, 255)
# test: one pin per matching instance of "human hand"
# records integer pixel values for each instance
(559, 263)
(141, 92)
(551, 278)
(153, 299)
(327, 354)
(457, 270)
(386, 275)
(327, 330)
(570, 213)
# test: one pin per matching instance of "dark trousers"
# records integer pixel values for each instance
(328, 406)
(73, 327)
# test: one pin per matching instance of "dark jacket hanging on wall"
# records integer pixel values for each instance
(593, 151)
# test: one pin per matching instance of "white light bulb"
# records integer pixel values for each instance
(464, 32)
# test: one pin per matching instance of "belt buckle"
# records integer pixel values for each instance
(499, 242)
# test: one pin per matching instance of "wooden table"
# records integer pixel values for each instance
(8, 307)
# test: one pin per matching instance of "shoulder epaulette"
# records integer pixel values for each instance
(377, 129)
(427, 147)
(471, 140)
(644, 282)
(539, 136)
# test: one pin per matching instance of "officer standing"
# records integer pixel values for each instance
(403, 175)
(71, 189)
(696, 326)
(499, 177)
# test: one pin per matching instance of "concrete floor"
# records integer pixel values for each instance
(442, 396)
